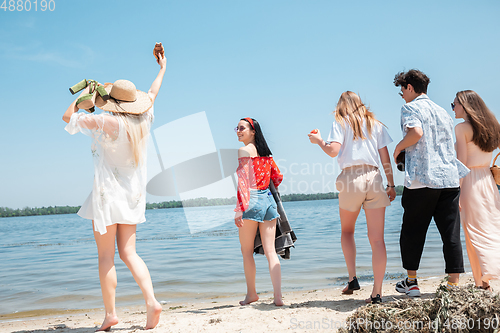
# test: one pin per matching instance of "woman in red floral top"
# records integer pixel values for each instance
(256, 208)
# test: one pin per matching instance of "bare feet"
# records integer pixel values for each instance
(154, 311)
(278, 301)
(249, 299)
(109, 321)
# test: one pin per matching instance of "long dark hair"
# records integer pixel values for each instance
(260, 142)
(485, 126)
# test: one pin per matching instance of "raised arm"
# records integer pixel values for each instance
(72, 108)
(331, 149)
(155, 87)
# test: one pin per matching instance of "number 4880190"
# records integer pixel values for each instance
(28, 5)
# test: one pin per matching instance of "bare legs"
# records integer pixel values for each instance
(268, 234)
(248, 229)
(347, 223)
(125, 238)
(107, 274)
(375, 219)
(375, 224)
(247, 236)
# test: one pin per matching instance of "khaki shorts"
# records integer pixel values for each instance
(361, 185)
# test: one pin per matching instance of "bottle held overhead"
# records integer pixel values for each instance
(157, 51)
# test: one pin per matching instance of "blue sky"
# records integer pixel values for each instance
(284, 63)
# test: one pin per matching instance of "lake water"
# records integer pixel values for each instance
(50, 262)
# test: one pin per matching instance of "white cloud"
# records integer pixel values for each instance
(75, 56)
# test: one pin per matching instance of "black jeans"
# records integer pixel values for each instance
(420, 206)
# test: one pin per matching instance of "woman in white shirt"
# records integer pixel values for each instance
(360, 141)
(117, 202)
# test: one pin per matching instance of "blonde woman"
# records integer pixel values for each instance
(118, 199)
(477, 137)
(360, 141)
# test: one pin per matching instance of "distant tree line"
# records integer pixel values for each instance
(306, 197)
(27, 211)
(399, 190)
(198, 202)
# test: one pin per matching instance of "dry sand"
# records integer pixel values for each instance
(304, 311)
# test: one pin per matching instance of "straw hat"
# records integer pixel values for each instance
(125, 98)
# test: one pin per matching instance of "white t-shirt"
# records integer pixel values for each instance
(360, 151)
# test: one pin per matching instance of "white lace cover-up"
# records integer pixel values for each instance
(119, 191)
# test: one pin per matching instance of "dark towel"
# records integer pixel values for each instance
(285, 237)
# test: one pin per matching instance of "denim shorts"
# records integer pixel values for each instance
(261, 206)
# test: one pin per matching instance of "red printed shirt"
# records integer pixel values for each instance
(255, 173)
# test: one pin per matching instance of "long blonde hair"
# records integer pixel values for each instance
(350, 110)
(485, 126)
(137, 127)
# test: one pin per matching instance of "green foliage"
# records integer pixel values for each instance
(198, 202)
(27, 211)
(399, 189)
(305, 197)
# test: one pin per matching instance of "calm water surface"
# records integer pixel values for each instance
(50, 262)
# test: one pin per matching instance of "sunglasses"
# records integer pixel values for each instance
(400, 94)
(239, 129)
(453, 106)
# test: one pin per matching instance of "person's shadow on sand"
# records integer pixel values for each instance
(344, 305)
(211, 308)
(62, 328)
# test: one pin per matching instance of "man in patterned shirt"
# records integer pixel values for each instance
(431, 185)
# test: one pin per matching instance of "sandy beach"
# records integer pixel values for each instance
(304, 311)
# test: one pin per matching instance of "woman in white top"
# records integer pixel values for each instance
(360, 141)
(118, 199)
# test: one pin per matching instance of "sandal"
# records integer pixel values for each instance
(102, 92)
(488, 288)
(374, 300)
(78, 87)
(352, 285)
(86, 101)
